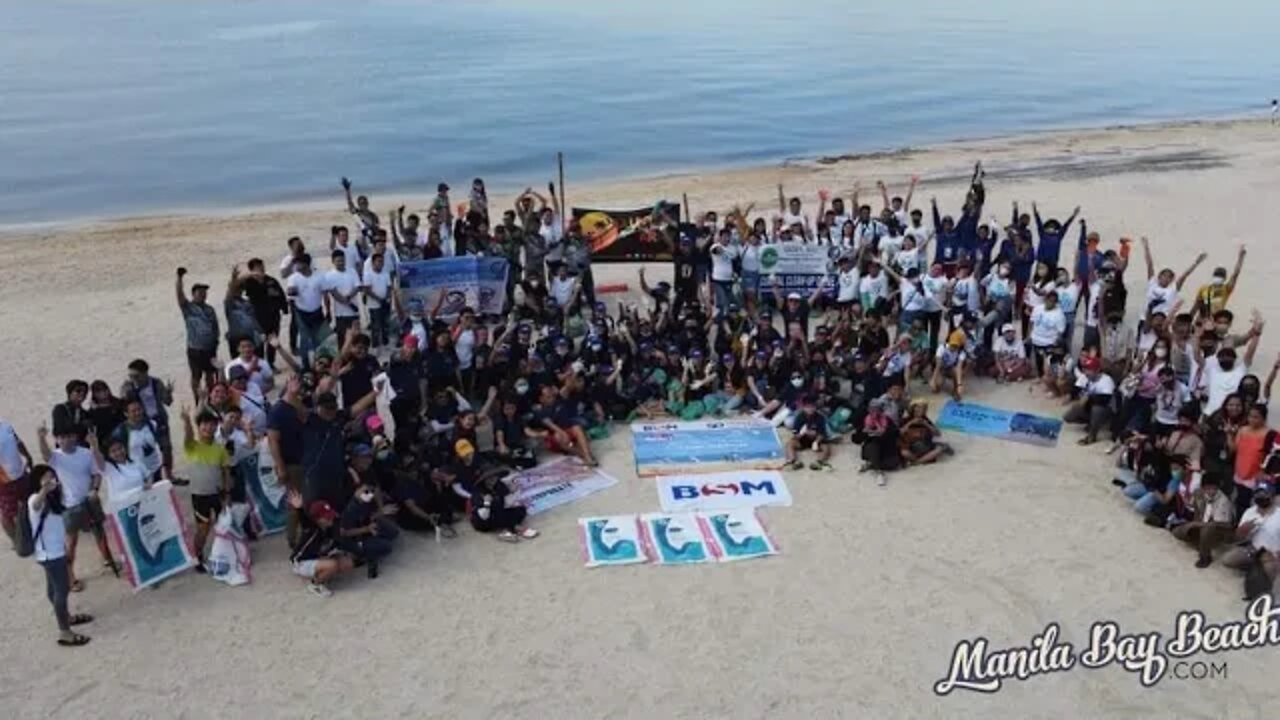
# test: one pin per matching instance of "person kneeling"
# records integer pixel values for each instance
(810, 433)
(364, 532)
(493, 508)
(917, 439)
(950, 365)
(316, 557)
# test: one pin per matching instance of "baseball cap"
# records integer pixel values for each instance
(198, 287)
(321, 510)
(327, 399)
(361, 450)
(1007, 328)
(1264, 490)
(463, 448)
(411, 341)
(793, 296)
(1091, 363)
(237, 372)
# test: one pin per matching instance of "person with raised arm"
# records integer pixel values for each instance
(202, 332)
(899, 206)
(1163, 288)
(1213, 297)
(367, 218)
(1051, 233)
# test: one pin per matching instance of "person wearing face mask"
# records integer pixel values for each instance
(45, 512)
(1213, 297)
(1211, 520)
(1250, 445)
(1156, 492)
(363, 530)
(1220, 374)
(1170, 397)
(1257, 535)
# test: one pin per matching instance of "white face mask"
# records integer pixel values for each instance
(797, 382)
(1161, 352)
(1004, 272)
(1218, 281)
(365, 497)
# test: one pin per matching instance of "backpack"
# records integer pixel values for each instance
(24, 540)
(1114, 297)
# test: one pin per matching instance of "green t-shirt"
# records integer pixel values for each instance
(207, 461)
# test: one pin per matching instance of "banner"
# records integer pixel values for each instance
(556, 483)
(993, 422)
(630, 235)
(675, 539)
(476, 282)
(149, 530)
(738, 535)
(611, 540)
(723, 491)
(800, 267)
(705, 446)
(265, 491)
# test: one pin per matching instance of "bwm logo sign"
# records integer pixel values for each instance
(723, 491)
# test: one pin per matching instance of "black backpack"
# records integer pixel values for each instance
(24, 541)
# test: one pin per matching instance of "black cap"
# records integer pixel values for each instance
(198, 287)
(327, 399)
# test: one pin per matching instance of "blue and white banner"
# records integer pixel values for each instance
(556, 483)
(266, 493)
(800, 267)
(994, 422)
(723, 491)
(479, 283)
(149, 530)
(737, 535)
(676, 538)
(611, 540)
(665, 448)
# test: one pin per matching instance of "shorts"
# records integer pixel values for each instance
(305, 568)
(201, 361)
(85, 517)
(206, 507)
(750, 282)
(13, 495)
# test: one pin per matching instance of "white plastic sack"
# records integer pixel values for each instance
(229, 560)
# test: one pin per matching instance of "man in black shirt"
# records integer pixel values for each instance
(356, 368)
(69, 418)
(269, 302)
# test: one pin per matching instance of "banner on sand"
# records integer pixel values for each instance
(556, 483)
(479, 283)
(630, 235)
(737, 535)
(723, 491)
(611, 540)
(799, 267)
(266, 493)
(150, 532)
(675, 538)
(993, 422)
(666, 448)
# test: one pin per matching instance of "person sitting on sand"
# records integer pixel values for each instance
(950, 365)
(1212, 521)
(809, 432)
(917, 438)
(363, 530)
(1010, 356)
(316, 556)
(554, 413)
(1094, 408)
(879, 438)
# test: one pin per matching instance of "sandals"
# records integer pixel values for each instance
(529, 533)
(795, 465)
(74, 641)
(81, 619)
(77, 586)
(508, 537)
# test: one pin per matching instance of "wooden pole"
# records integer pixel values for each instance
(564, 202)
(687, 216)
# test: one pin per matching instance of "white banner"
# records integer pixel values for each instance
(558, 482)
(149, 530)
(723, 491)
(800, 267)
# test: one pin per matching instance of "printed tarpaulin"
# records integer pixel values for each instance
(556, 483)
(611, 540)
(993, 422)
(667, 448)
(630, 235)
(479, 283)
(722, 491)
(149, 530)
(265, 491)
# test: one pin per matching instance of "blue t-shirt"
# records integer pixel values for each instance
(283, 418)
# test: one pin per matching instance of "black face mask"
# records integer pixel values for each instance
(1263, 502)
(53, 501)
(1227, 365)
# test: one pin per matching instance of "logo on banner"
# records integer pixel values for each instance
(768, 258)
(745, 488)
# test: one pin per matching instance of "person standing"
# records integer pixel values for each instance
(202, 333)
(79, 478)
(377, 286)
(306, 290)
(269, 302)
(45, 511)
(154, 397)
(14, 479)
(70, 416)
(342, 285)
(210, 468)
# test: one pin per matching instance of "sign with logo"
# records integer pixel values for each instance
(556, 483)
(612, 540)
(799, 267)
(148, 527)
(723, 491)
(705, 446)
(479, 283)
(994, 422)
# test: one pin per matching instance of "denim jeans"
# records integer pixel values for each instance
(1144, 501)
(376, 546)
(57, 586)
(311, 332)
(378, 325)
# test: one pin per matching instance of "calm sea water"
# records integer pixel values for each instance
(124, 106)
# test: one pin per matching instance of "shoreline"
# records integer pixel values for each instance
(599, 185)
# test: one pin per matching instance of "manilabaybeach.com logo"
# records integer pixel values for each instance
(976, 666)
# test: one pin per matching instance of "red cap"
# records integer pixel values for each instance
(1090, 363)
(321, 510)
(411, 341)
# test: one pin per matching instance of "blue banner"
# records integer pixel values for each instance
(993, 422)
(479, 283)
(705, 446)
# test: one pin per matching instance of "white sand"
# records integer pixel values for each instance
(856, 619)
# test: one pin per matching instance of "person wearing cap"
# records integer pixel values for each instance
(363, 529)
(1212, 515)
(950, 364)
(316, 555)
(209, 467)
(809, 432)
(202, 332)
(493, 506)
(1258, 534)
(1094, 408)
(1010, 355)
(1215, 295)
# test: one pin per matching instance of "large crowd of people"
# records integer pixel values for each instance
(911, 304)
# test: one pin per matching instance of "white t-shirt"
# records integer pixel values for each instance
(847, 281)
(51, 543)
(286, 266)
(1161, 299)
(936, 288)
(308, 291)
(1091, 310)
(1033, 299)
(921, 233)
(553, 234)
(1220, 383)
(260, 372)
(124, 478)
(913, 298)
(343, 282)
(1267, 534)
(240, 447)
(561, 289)
(253, 407)
(1170, 401)
(1104, 385)
(352, 251)
(390, 262)
(379, 284)
(904, 259)
(722, 262)
(949, 358)
(464, 346)
(873, 287)
(964, 294)
(144, 448)
(1068, 297)
(998, 287)
(1008, 349)
(871, 231)
(75, 472)
(1047, 326)
(12, 464)
(789, 218)
(750, 255)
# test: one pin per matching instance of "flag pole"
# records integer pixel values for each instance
(564, 202)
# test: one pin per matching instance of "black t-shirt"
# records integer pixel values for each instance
(269, 301)
(810, 422)
(405, 378)
(799, 315)
(512, 430)
(357, 514)
(357, 378)
(873, 341)
(685, 266)
(283, 418)
(442, 368)
(324, 466)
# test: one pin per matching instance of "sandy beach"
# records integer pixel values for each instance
(856, 618)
